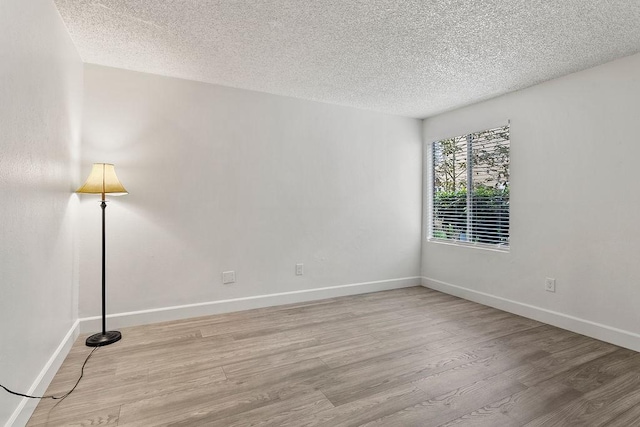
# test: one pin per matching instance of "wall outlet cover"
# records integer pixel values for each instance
(550, 284)
(228, 277)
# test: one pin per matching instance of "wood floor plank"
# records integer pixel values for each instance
(532, 402)
(631, 417)
(441, 373)
(214, 403)
(453, 404)
(223, 399)
(562, 361)
(275, 414)
(483, 417)
(256, 366)
(404, 357)
(102, 417)
(598, 407)
(597, 372)
(363, 410)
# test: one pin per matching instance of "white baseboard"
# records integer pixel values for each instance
(25, 408)
(595, 330)
(143, 317)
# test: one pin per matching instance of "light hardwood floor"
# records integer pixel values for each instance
(408, 357)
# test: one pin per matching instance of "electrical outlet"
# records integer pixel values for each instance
(228, 277)
(550, 284)
(299, 269)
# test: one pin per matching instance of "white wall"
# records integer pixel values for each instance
(574, 204)
(40, 108)
(228, 179)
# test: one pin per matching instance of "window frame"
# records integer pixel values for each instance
(429, 181)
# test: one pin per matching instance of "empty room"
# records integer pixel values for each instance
(323, 213)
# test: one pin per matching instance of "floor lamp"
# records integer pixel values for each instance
(103, 180)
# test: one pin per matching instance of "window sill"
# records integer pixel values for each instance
(460, 243)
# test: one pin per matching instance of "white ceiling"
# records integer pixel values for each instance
(408, 57)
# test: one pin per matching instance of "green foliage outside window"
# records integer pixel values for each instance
(489, 215)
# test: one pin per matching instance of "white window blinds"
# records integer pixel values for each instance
(470, 189)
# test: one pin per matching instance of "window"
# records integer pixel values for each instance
(469, 189)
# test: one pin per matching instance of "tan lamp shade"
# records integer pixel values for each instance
(103, 180)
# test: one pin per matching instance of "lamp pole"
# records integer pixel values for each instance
(103, 205)
(103, 180)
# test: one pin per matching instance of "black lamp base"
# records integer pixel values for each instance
(100, 339)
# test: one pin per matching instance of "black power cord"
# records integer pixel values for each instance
(51, 396)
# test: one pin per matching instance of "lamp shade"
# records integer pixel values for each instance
(103, 180)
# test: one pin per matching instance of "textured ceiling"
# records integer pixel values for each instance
(408, 57)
